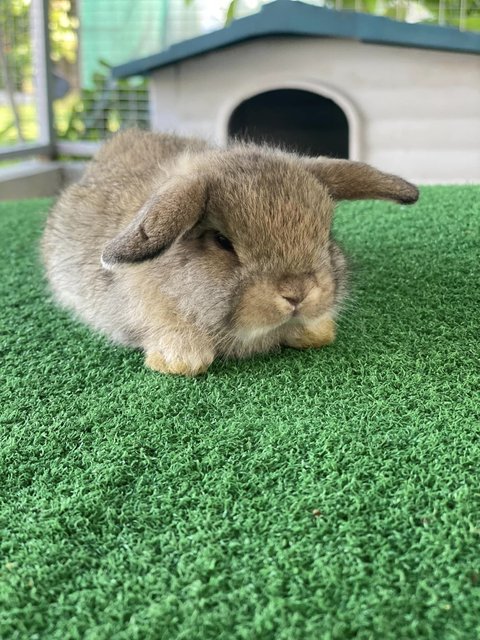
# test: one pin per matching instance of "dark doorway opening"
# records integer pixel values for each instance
(294, 119)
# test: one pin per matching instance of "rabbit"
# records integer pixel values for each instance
(189, 252)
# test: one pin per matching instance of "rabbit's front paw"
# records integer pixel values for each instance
(192, 364)
(313, 335)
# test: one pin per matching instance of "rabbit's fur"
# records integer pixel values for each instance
(189, 252)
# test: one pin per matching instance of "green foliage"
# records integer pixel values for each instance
(28, 118)
(16, 36)
(232, 9)
(15, 40)
(98, 111)
(423, 10)
(63, 31)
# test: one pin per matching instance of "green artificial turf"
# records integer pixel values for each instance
(328, 494)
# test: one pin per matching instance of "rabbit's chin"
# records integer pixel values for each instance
(297, 331)
(252, 335)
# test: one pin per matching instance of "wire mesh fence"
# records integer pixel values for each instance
(87, 37)
(18, 105)
(463, 14)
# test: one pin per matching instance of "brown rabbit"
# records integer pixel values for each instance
(189, 252)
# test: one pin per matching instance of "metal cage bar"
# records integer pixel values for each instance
(43, 73)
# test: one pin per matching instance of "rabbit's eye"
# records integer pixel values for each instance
(224, 242)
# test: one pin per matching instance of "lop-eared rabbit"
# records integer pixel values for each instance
(190, 252)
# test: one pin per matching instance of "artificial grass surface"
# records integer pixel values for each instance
(316, 495)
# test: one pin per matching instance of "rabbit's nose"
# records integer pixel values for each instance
(294, 289)
(293, 300)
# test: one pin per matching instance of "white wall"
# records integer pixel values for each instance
(411, 111)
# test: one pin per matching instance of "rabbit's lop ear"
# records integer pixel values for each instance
(348, 180)
(176, 208)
